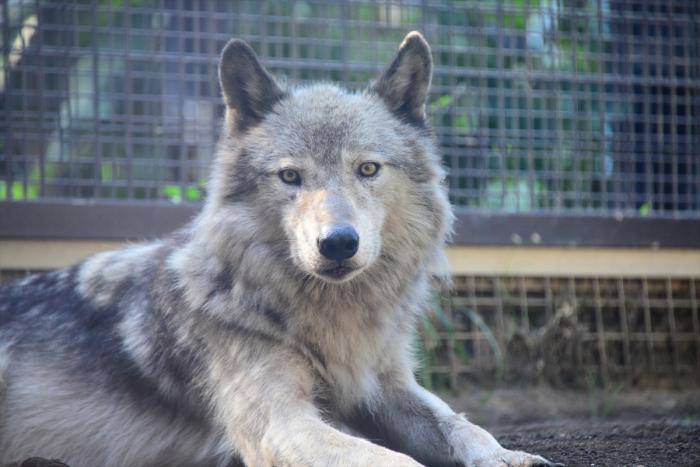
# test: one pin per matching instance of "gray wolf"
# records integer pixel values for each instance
(274, 329)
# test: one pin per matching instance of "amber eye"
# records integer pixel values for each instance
(368, 169)
(290, 177)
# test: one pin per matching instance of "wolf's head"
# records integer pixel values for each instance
(336, 181)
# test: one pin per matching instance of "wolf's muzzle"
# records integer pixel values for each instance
(339, 242)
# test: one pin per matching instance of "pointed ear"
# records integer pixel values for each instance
(249, 90)
(404, 85)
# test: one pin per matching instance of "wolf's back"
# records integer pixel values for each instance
(79, 366)
(44, 320)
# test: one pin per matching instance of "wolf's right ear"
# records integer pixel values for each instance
(249, 90)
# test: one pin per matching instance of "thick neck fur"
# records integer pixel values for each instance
(255, 278)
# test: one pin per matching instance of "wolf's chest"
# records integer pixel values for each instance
(353, 350)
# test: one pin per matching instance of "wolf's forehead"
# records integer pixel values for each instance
(327, 122)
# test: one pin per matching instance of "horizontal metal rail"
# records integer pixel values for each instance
(114, 220)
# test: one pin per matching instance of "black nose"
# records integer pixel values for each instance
(339, 242)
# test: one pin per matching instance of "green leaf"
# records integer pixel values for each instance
(645, 210)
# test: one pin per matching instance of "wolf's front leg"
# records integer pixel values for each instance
(410, 419)
(268, 415)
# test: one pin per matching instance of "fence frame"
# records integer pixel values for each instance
(128, 220)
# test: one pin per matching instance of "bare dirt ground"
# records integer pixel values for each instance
(663, 442)
(650, 428)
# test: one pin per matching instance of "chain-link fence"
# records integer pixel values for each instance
(570, 106)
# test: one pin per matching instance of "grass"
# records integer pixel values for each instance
(600, 401)
(435, 328)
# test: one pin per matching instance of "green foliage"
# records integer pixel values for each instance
(437, 330)
(177, 194)
(645, 210)
(529, 121)
(19, 191)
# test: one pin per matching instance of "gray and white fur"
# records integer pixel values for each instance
(275, 328)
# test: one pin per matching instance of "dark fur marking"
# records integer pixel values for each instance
(16, 301)
(403, 423)
(182, 364)
(315, 354)
(83, 339)
(255, 304)
(274, 317)
(244, 179)
(236, 462)
(222, 282)
(248, 333)
(322, 399)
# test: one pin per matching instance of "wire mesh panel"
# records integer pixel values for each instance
(566, 331)
(586, 106)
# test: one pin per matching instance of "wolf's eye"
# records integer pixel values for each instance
(368, 169)
(290, 177)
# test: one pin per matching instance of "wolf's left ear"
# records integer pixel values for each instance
(405, 83)
(249, 90)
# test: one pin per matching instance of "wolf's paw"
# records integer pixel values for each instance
(394, 460)
(515, 459)
(362, 453)
(476, 447)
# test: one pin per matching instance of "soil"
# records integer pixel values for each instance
(649, 428)
(668, 442)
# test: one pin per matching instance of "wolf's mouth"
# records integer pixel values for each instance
(337, 272)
